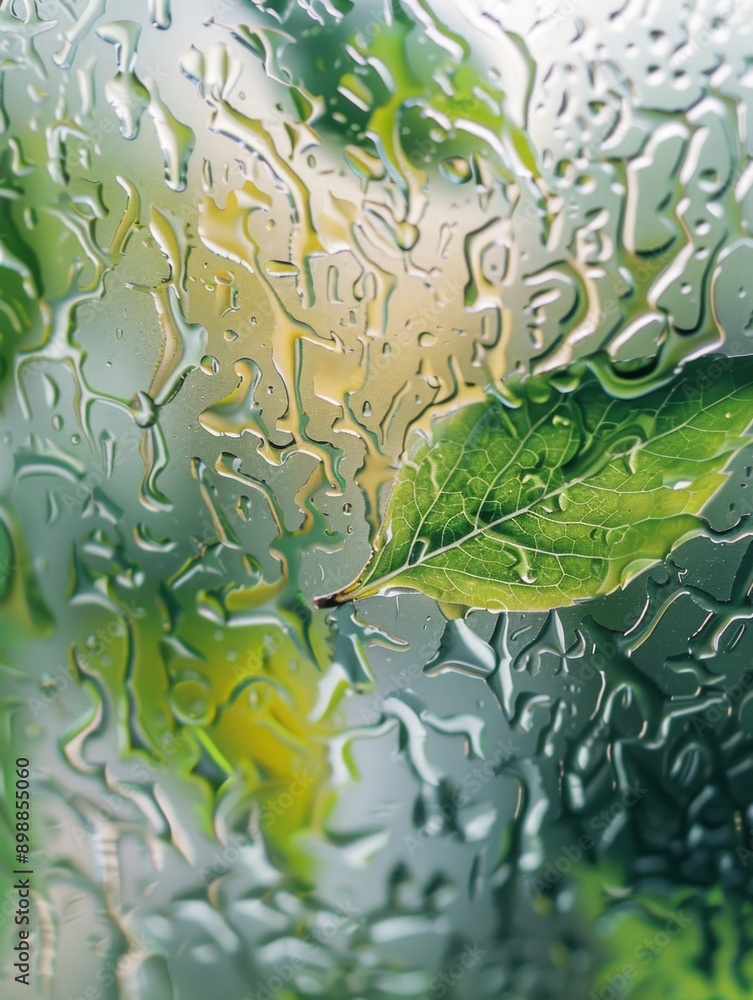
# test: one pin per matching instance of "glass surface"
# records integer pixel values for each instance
(253, 257)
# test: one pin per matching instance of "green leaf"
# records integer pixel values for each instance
(568, 495)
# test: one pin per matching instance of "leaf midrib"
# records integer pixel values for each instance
(531, 430)
(475, 532)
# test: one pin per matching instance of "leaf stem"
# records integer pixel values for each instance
(339, 596)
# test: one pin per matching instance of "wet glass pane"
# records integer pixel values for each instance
(375, 545)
